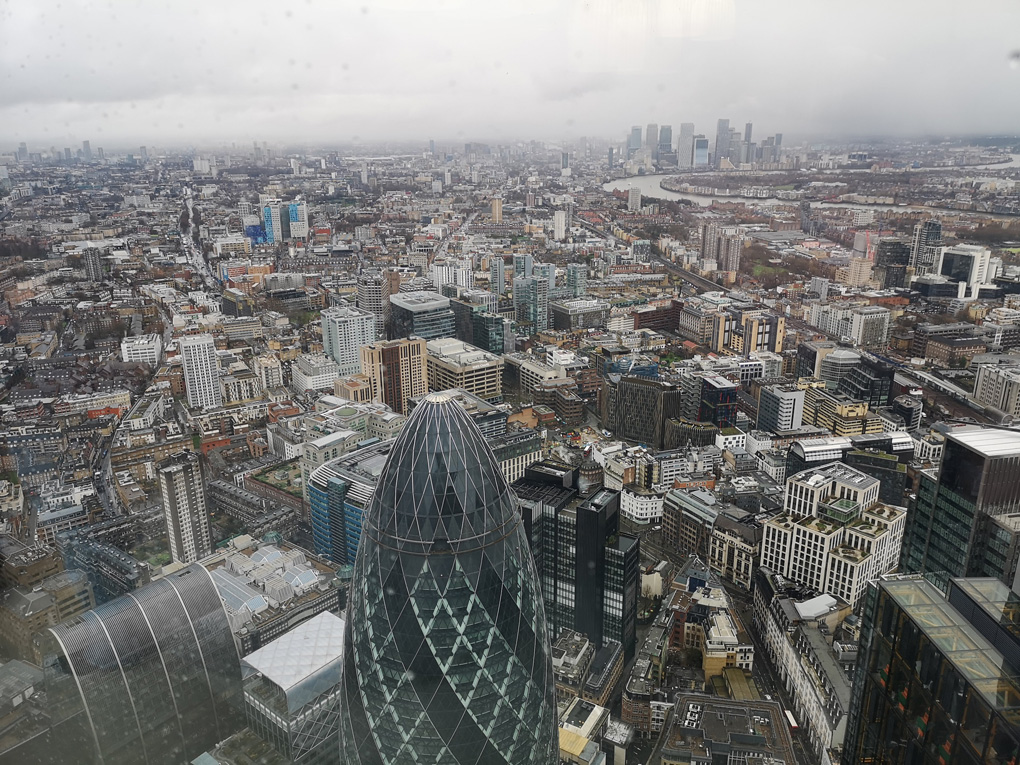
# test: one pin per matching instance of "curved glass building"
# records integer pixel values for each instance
(447, 657)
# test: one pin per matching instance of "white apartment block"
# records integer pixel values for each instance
(833, 535)
(141, 349)
(344, 330)
(201, 371)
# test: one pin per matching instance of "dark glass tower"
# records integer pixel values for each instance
(448, 659)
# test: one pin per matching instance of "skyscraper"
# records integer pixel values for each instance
(531, 302)
(685, 146)
(936, 678)
(184, 509)
(560, 225)
(926, 247)
(652, 139)
(497, 274)
(963, 521)
(201, 371)
(700, 155)
(374, 289)
(722, 142)
(86, 151)
(397, 371)
(344, 330)
(272, 220)
(154, 675)
(524, 265)
(577, 279)
(497, 210)
(424, 314)
(447, 656)
(633, 141)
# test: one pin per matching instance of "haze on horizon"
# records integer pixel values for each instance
(185, 72)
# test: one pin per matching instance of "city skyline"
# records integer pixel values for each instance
(698, 61)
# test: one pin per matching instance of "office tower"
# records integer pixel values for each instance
(963, 521)
(524, 265)
(531, 302)
(201, 371)
(344, 330)
(456, 364)
(422, 314)
(497, 274)
(184, 507)
(86, 151)
(968, 265)
(497, 210)
(833, 535)
(375, 286)
(143, 153)
(100, 153)
(925, 247)
(747, 133)
(448, 657)
(612, 161)
(935, 680)
(634, 200)
(637, 409)
(634, 141)
(93, 263)
(560, 225)
(685, 146)
(589, 570)
(153, 675)
(780, 407)
(67, 154)
(700, 155)
(665, 139)
(652, 139)
(22, 152)
(577, 279)
(708, 397)
(397, 370)
(722, 143)
(869, 381)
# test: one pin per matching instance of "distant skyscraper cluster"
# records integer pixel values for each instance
(731, 148)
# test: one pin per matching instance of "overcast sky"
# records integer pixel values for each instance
(126, 72)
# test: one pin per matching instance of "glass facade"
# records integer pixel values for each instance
(155, 673)
(447, 657)
(937, 678)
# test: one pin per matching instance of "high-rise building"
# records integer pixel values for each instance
(497, 274)
(344, 330)
(272, 220)
(634, 200)
(93, 263)
(870, 381)
(589, 570)
(375, 286)
(153, 676)
(448, 656)
(935, 679)
(634, 141)
(685, 146)
(560, 225)
(963, 522)
(700, 151)
(397, 371)
(201, 371)
(497, 210)
(925, 247)
(747, 133)
(531, 302)
(296, 224)
(577, 279)
(184, 508)
(780, 407)
(722, 143)
(638, 409)
(455, 364)
(665, 139)
(524, 265)
(86, 151)
(422, 314)
(892, 256)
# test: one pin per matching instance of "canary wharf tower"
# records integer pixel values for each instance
(447, 658)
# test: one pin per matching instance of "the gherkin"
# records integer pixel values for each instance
(447, 657)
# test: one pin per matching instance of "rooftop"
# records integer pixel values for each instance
(988, 442)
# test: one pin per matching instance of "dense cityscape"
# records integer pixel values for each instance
(562, 383)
